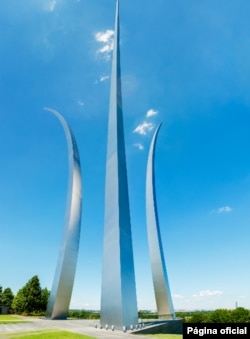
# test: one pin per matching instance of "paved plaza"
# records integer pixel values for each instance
(87, 327)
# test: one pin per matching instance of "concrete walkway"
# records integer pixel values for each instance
(87, 327)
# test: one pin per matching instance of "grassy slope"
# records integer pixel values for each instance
(165, 336)
(45, 334)
(10, 319)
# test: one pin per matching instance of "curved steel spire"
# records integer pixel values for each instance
(118, 295)
(159, 273)
(61, 291)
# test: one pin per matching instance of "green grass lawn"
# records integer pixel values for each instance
(165, 336)
(10, 319)
(45, 334)
(58, 334)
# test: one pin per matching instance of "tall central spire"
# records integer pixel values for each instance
(118, 295)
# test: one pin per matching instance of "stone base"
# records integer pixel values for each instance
(167, 326)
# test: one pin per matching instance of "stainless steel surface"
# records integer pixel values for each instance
(118, 293)
(61, 291)
(159, 273)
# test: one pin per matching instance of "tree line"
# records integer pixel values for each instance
(238, 315)
(6, 297)
(31, 299)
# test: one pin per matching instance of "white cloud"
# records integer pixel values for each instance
(151, 112)
(105, 36)
(178, 296)
(139, 146)
(107, 39)
(207, 293)
(143, 128)
(104, 78)
(105, 49)
(80, 103)
(50, 5)
(224, 209)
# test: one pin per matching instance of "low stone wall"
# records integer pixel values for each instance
(168, 326)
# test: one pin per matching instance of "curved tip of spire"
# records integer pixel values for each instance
(155, 134)
(49, 109)
(158, 127)
(53, 111)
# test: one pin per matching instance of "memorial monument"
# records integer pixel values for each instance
(61, 291)
(118, 291)
(163, 297)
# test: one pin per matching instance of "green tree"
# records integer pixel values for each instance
(45, 293)
(1, 293)
(240, 315)
(220, 316)
(198, 317)
(19, 302)
(29, 298)
(7, 297)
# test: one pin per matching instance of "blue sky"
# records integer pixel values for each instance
(184, 63)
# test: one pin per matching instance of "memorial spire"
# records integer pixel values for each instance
(118, 295)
